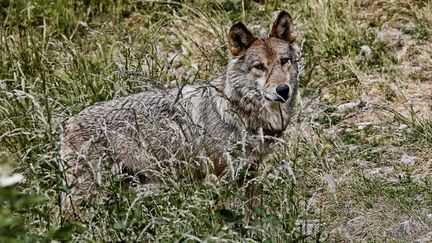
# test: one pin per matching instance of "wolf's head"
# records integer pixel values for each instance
(262, 75)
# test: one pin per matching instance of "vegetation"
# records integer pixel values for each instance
(355, 164)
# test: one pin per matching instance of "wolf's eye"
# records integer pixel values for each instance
(259, 66)
(285, 60)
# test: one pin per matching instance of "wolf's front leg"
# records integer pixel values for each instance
(252, 193)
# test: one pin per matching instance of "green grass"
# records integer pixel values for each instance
(333, 165)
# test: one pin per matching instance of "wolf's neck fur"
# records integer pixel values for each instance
(240, 113)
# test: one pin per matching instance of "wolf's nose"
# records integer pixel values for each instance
(283, 91)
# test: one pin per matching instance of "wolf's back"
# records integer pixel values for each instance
(159, 124)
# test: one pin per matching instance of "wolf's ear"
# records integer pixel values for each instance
(239, 38)
(282, 27)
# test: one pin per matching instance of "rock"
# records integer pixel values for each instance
(331, 183)
(425, 239)
(381, 172)
(408, 160)
(404, 230)
(356, 222)
(402, 127)
(362, 163)
(365, 51)
(363, 125)
(391, 37)
(348, 106)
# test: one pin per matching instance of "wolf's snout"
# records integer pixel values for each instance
(283, 91)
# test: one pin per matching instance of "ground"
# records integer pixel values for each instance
(355, 164)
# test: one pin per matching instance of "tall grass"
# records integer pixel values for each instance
(58, 57)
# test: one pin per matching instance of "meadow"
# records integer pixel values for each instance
(354, 165)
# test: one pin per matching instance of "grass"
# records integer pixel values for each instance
(338, 173)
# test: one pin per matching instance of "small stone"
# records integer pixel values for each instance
(381, 171)
(365, 51)
(348, 106)
(425, 239)
(404, 229)
(331, 182)
(409, 27)
(389, 36)
(402, 127)
(363, 125)
(362, 164)
(408, 160)
(356, 222)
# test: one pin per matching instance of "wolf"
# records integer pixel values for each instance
(195, 126)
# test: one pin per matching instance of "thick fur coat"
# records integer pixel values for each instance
(146, 131)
